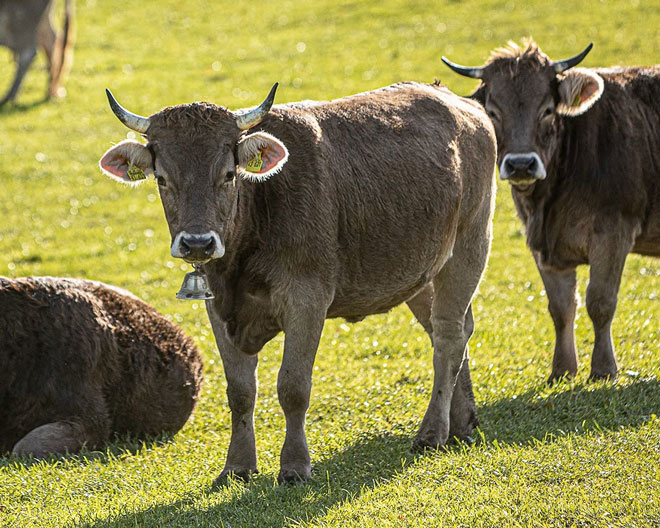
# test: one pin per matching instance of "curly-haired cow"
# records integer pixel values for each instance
(81, 361)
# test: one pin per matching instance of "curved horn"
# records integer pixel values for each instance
(248, 118)
(475, 73)
(133, 121)
(561, 66)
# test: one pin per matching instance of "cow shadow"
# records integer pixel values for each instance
(373, 460)
(13, 107)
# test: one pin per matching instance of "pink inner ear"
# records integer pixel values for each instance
(271, 155)
(588, 90)
(115, 164)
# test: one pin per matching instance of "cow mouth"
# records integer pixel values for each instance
(522, 184)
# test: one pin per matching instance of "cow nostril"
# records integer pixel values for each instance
(532, 165)
(185, 249)
(210, 247)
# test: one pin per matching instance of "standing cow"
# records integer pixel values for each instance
(381, 198)
(81, 361)
(581, 150)
(24, 25)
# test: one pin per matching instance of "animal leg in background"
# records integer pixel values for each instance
(607, 257)
(561, 288)
(23, 60)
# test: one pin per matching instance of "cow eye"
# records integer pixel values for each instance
(230, 176)
(161, 181)
(493, 115)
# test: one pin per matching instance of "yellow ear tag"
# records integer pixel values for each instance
(135, 173)
(255, 164)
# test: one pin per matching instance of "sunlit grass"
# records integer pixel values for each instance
(570, 455)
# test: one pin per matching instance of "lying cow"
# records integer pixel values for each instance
(581, 150)
(381, 198)
(26, 25)
(81, 361)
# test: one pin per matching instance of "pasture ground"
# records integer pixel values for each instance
(575, 454)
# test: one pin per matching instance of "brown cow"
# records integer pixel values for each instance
(581, 150)
(382, 198)
(81, 360)
(26, 24)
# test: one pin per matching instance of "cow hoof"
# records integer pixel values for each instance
(558, 376)
(240, 475)
(420, 445)
(291, 476)
(598, 376)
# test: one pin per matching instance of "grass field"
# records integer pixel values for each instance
(575, 454)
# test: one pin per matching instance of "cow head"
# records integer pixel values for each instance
(196, 152)
(525, 94)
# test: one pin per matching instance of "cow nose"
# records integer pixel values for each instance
(522, 166)
(197, 248)
(522, 163)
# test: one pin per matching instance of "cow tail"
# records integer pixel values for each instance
(63, 53)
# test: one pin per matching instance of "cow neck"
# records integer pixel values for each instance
(534, 209)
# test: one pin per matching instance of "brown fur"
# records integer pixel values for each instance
(82, 360)
(601, 197)
(386, 197)
(26, 25)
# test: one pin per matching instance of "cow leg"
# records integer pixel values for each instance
(52, 438)
(303, 326)
(561, 288)
(606, 259)
(23, 61)
(241, 373)
(451, 318)
(463, 412)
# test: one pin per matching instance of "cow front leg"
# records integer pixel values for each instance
(561, 288)
(23, 60)
(241, 374)
(606, 266)
(294, 383)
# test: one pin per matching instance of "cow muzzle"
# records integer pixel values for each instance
(522, 168)
(197, 248)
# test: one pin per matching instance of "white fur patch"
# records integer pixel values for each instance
(579, 89)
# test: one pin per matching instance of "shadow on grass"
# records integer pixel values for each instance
(18, 108)
(373, 460)
(120, 447)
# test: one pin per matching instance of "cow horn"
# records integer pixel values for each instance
(475, 73)
(133, 121)
(561, 66)
(246, 119)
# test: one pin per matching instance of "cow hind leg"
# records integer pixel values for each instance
(48, 40)
(463, 411)
(23, 60)
(52, 438)
(452, 322)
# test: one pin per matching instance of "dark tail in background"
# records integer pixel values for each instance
(62, 58)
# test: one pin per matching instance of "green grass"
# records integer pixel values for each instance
(575, 454)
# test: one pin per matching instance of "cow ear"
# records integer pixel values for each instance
(579, 89)
(128, 162)
(260, 155)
